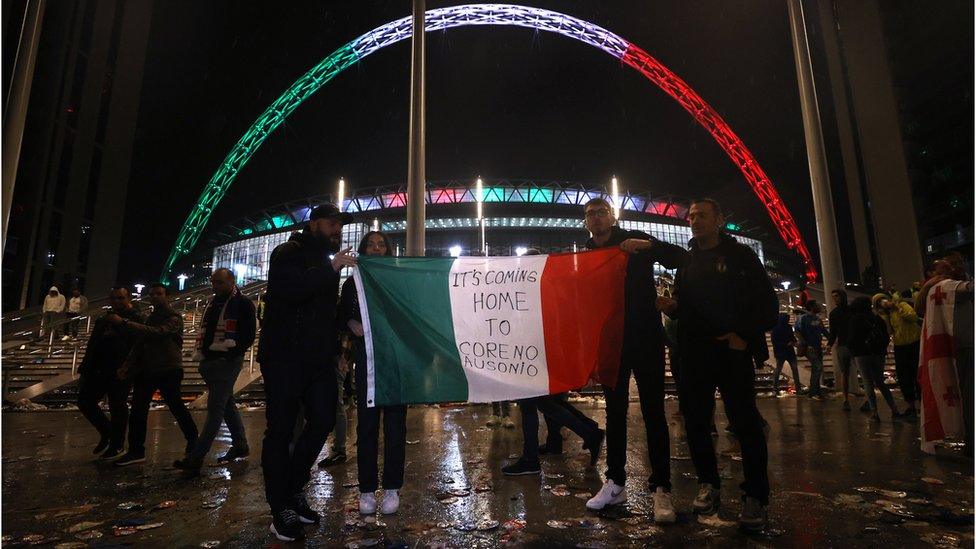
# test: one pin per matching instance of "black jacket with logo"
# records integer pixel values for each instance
(725, 289)
(109, 345)
(300, 304)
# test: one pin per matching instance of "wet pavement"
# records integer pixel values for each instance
(838, 480)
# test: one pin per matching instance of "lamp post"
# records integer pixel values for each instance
(182, 278)
(615, 195)
(139, 288)
(416, 169)
(479, 199)
(341, 194)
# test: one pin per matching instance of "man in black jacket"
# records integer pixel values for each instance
(227, 332)
(642, 356)
(154, 364)
(840, 320)
(107, 350)
(725, 304)
(297, 351)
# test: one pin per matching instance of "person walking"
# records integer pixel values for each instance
(905, 328)
(784, 350)
(338, 453)
(297, 350)
(154, 364)
(107, 349)
(642, 357)
(724, 304)
(837, 338)
(51, 311)
(810, 333)
(869, 345)
(227, 331)
(77, 306)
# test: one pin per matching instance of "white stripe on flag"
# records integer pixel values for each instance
(496, 307)
(368, 333)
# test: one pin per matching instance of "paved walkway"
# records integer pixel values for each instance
(837, 479)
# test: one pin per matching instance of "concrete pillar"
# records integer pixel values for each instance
(416, 173)
(882, 152)
(845, 133)
(831, 267)
(15, 110)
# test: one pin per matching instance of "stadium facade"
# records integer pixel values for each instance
(517, 215)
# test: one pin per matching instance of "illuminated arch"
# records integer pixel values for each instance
(488, 14)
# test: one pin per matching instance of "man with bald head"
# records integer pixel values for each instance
(227, 331)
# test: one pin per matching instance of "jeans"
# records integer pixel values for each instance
(47, 321)
(220, 375)
(906, 367)
(168, 383)
(872, 371)
(842, 367)
(706, 366)
(780, 360)
(339, 432)
(646, 363)
(554, 440)
(92, 388)
(560, 414)
(368, 432)
(72, 327)
(500, 409)
(286, 385)
(815, 356)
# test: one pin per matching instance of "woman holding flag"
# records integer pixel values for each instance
(368, 424)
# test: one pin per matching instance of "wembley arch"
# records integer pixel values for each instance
(483, 15)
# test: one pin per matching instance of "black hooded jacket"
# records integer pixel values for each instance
(300, 304)
(724, 289)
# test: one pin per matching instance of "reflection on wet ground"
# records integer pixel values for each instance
(838, 480)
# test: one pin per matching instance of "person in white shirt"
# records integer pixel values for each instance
(52, 309)
(77, 306)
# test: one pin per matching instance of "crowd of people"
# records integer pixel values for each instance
(718, 309)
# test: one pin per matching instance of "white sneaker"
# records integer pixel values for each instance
(663, 507)
(610, 494)
(391, 502)
(65, 338)
(367, 503)
(508, 423)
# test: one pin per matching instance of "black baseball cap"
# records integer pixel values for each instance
(329, 210)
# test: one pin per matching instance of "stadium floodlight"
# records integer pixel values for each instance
(342, 194)
(615, 195)
(139, 288)
(455, 251)
(520, 251)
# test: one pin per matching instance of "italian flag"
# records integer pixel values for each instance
(484, 329)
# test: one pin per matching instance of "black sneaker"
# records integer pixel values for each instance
(286, 526)
(233, 453)
(334, 459)
(188, 464)
(111, 454)
(594, 445)
(521, 467)
(130, 458)
(753, 515)
(102, 445)
(306, 515)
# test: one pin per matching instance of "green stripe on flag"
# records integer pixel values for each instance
(414, 354)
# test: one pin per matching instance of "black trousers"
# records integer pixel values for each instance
(554, 409)
(906, 366)
(286, 385)
(368, 432)
(168, 383)
(554, 439)
(92, 388)
(646, 362)
(706, 366)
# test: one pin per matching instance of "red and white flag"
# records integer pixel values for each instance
(942, 410)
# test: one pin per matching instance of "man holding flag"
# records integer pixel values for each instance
(642, 356)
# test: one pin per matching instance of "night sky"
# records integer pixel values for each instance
(501, 102)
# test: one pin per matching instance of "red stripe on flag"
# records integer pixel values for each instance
(583, 317)
(932, 426)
